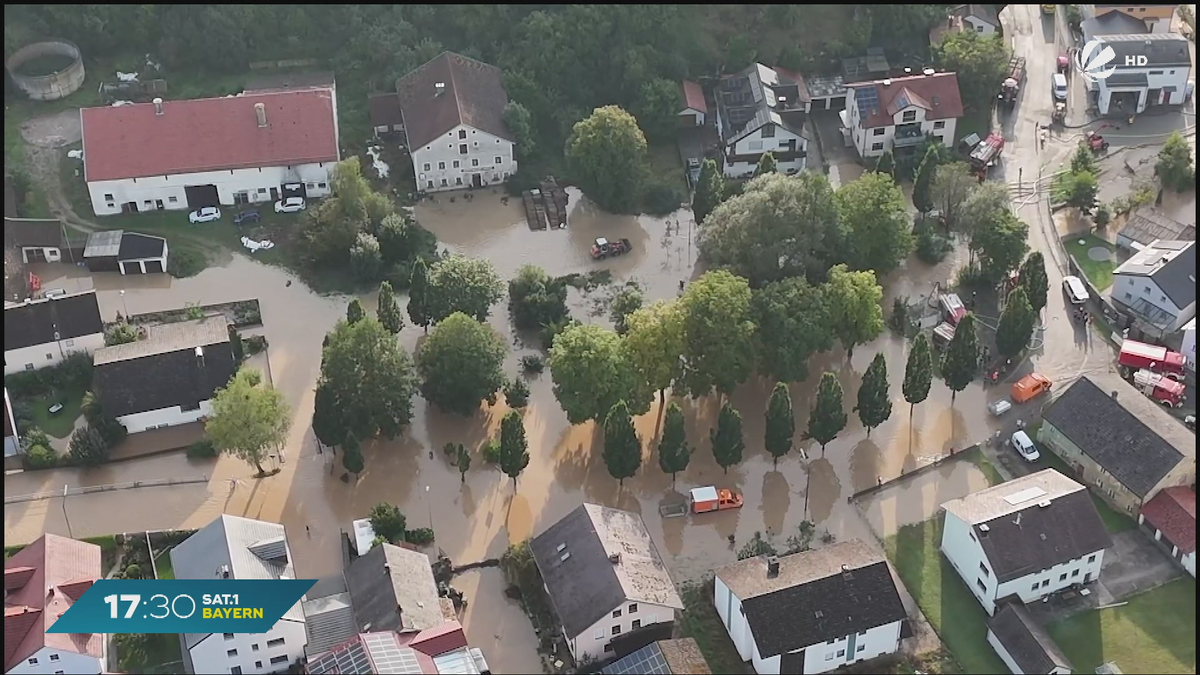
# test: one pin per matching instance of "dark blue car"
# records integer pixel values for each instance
(249, 216)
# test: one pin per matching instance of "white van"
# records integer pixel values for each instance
(1059, 82)
(1075, 290)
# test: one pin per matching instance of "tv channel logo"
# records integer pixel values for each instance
(1094, 59)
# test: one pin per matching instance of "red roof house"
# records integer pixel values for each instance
(693, 97)
(1172, 513)
(936, 93)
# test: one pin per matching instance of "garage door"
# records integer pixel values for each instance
(202, 195)
(155, 266)
(131, 267)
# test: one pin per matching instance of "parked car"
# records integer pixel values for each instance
(1075, 290)
(290, 205)
(1023, 444)
(206, 214)
(248, 216)
(1059, 84)
(693, 166)
(1029, 386)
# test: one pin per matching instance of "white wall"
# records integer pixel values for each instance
(257, 183)
(1156, 78)
(67, 662)
(1189, 563)
(445, 151)
(1188, 347)
(49, 254)
(979, 26)
(729, 608)
(1126, 289)
(211, 655)
(50, 353)
(172, 416)
(1003, 653)
(590, 643)
(875, 141)
(755, 144)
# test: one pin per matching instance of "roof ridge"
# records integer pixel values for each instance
(454, 88)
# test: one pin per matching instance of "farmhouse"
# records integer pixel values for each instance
(760, 110)
(41, 333)
(1154, 18)
(183, 155)
(1158, 286)
(897, 114)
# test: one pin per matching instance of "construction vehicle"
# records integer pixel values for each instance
(604, 248)
(952, 306)
(1029, 386)
(1048, 10)
(1097, 143)
(1012, 82)
(1060, 113)
(1159, 388)
(986, 155)
(1136, 355)
(709, 498)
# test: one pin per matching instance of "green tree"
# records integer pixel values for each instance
(654, 345)
(952, 185)
(462, 284)
(1175, 166)
(516, 393)
(1001, 244)
(781, 423)
(828, 416)
(1084, 160)
(673, 450)
(352, 457)
(1077, 189)
(886, 164)
(514, 450)
(727, 440)
(874, 403)
(591, 373)
(519, 122)
(710, 190)
(387, 522)
(328, 424)
(462, 458)
(535, 299)
(354, 311)
(249, 419)
(718, 333)
(923, 183)
(1016, 324)
(330, 231)
(792, 323)
(87, 447)
(960, 363)
(757, 547)
(368, 378)
(766, 164)
(918, 373)
(981, 62)
(119, 334)
(627, 301)
(134, 649)
(418, 296)
(606, 155)
(855, 314)
(366, 258)
(657, 108)
(622, 447)
(389, 312)
(403, 242)
(985, 206)
(872, 209)
(899, 322)
(1033, 279)
(460, 364)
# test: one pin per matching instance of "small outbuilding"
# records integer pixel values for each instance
(125, 252)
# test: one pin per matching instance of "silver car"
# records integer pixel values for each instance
(1059, 84)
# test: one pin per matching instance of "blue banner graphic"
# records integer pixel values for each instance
(182, 606)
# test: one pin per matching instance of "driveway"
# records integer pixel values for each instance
(832, 153)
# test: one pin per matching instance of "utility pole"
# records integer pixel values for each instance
(70, 533)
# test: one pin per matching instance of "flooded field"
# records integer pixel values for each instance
(480, 517)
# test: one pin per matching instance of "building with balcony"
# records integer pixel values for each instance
(761, 110)
(897, 114)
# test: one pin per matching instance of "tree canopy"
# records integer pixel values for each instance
(874, 402)
(952, 184)
(780, 423)
(248, 419)
(87, 447)
(591, 373)
(535, 299)
(1016, 324)
(923, 183)
(419, 310)
(981, 62)
(514, 449)
(710, 190)
(918, 373)
(1033, 279)
(828, 415)
(461, 284)
(627, 301)
(388, 310)
(854, 298)
(622, 447)
(792, 321)
(673, 451)
(461, 364)
(960, 363)
(766, 164)
(1001, 244)
(355, 311)
(654, 343)
(388, 522)
(727, 440)
(1175, 166)
(368, 378)
(718, 333)
(606, 154)
(878, 231)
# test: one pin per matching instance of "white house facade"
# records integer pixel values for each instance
(1152, 69)
(1188, 345)
(183, 155)
(981, 19)
(1158, 285)
(47, 661)
(1019, 518)
(250, 653)
(595, 641)
(898, 114)
(786, 144)
(463, 157)
(42, 333)
(760, 110)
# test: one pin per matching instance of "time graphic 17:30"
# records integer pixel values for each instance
(159, 606)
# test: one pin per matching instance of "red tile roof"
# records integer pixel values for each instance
(693, 96)
(60, 566)
(938, 94)
(211, 134)
(440, 639)
(1173, 512)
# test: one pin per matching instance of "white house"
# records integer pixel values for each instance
(1155, 18)
(1188, 345)
(232, 547)
(168, 377)
(41, 333)
(452, 113)
(810, 612)
(1170, 518)
(897, 114)
(1157, 285)
(1027, 538)
(760, 110)
(1152, 69)
(183, 155)
(1023, 644)
(604, 577)
(693, 111)
(979, 18)
(41, 581)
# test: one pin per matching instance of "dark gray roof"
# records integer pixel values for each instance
(985, 12)
(328, 622)
(136, 246)
(1112, 23)
(1149, 225)
(36, 322)
(1029, 645)
(749, 100)
(1119, 433)
(1128, 80)
(24, 232)
(1172, 266)
(393, 589)
(1040, 537)
(583, 582)
(473, 94)
(1160, 49)
(163, 379)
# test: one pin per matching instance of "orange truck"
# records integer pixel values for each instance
(709, 498)
(1029, 387)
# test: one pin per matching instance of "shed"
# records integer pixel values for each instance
(125, 252)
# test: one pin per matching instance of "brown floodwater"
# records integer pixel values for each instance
(479, 517)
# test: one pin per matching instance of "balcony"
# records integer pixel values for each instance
(908, 135)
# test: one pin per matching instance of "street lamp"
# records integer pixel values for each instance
(65, 516)
(429, 508)
(125, 306)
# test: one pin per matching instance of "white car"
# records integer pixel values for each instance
(1024, 445)
(1060, 86)
(205, 215)
(289, 205)
(1075, 290)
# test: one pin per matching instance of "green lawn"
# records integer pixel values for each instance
(702, 623)
(163, 564)
(948, 605)
(1155, 632)
(1100, 273)
(62, 423)
(975, 456)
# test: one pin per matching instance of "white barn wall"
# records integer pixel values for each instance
(67, 662)
(15, 360)
(172, 416)
(211, 655)
(444, 151)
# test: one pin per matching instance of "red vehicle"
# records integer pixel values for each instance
(1139, 355)
(1064, 63)
(1097, 142)
(986, 155)
(953, 309)
(1012, 83)
(1159, 388)
(604, 248)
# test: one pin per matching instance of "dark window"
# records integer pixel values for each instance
(982, 586)
(456, 163)
(616, 630)
(878, 132)
(32, 661)
(1062, 577)
(608, 647)
(841, 653)
(909, 116)
(637, 623)
(940, 124)
(462, 134)
(1074, 573)
(458, 181)
(983, 568)
(616, 613)
(229, 636)
(462, 148)
(474, 162)
(1035, 586)
(185, 407)
(108, 198)
(254, 647)
(633, 608)
(277, 642)
(258, 664)
(1092, 558)
(236, 670)
(231, 653)
(54, 657)
(426, 166)
(498, 160)
(278, 659)
(1045, 583)
(768, 131)
(441, 166)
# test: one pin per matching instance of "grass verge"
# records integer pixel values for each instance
(975, 456)
(1097, 271)
(702, 623)
(162, 564)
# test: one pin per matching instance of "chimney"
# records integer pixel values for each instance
(614, 558)
(158, 108)
(439, 88)
(928, 71)
(887, 82)
(1114, 394)
(772, 567)
(261, 111)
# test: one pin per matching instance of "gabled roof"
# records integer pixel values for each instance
(209, 134)
(1029, 645)
(33, 232)
(1173, 512)
(384, 109)
(392, 588)
(829, 592)
(984, 12)
(41, 581)
(1160, 49)
(473, 94)
(36, 322)
(693, 96)
(328, 622)
(1149, 225)
(1128, 435)
(1172, 266)
(878, 102)
(1112, 23)
(757, 96)
(442, 649)
(596, 558)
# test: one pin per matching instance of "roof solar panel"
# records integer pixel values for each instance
(868, 100)
(648, 660)
(390, 658)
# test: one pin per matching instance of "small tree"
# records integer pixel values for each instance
(389, 312)
(766, 164)
(1033, 280)
(828, 416)
(1016, 324)
(757, 546)
(328, 424)
(781, 423)
(622, 447)
(514, 453)
(960, 363)
(387, 522)
(1078, 189)
(1103, 216)
(1175, 167)
(516, 393)
(710, 190)
(899, 320)
(1084, 160)
(352, 457)
(923, 184)
(418, 296)
(727, 440)
(354, 312)
(918, 373)
(886, 164)
(248, 419)
(87, 447)
(874, 404)
(462, 458)
(673, 451)
(627, 301)
(120, 334)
